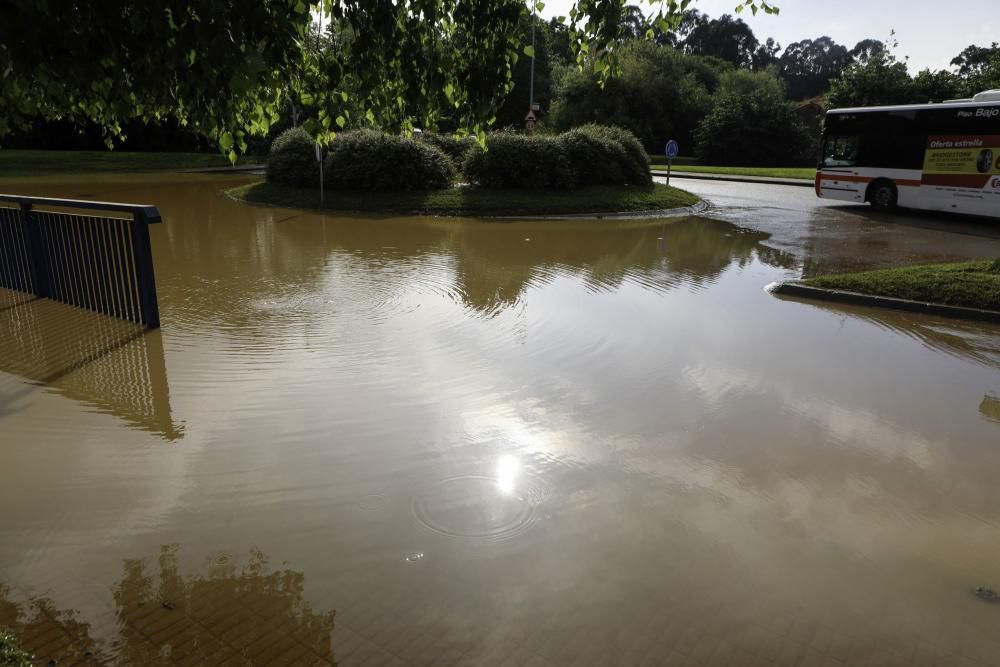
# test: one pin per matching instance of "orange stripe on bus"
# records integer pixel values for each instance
(866, 179)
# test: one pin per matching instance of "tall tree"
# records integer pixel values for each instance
(766, 55)
(974, 60)
(883, 79)
(865, 50)
(728, 38)
(978, 67)
(936, 86)
(809, 65)
(660, 94)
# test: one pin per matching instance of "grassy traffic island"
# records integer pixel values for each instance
(473, 201)
(590, 170)
(965, 284)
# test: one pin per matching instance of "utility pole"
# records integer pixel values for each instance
(531, 93)
(530, 119)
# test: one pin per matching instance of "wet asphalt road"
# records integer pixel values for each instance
(833, 236)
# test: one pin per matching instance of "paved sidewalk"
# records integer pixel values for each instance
(800, 182)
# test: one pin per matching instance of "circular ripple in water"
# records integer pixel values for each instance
(475, 507)
(375, 502)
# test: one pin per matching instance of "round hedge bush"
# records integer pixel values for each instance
(628, 155)
(292, 160)
(528, 162)
(366, 160)
(588, 155)
(455, 148)
(595, 158)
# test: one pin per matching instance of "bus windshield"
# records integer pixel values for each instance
(840, 151)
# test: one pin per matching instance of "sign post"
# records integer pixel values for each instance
(530, 120)
(673, 150)
(319, 158)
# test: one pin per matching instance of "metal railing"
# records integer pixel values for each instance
(103, 264)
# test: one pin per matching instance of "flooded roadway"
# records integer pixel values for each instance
(434, 441)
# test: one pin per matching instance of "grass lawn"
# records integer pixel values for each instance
(971, 284)
(473, 201)
(34, 163)
(804, 173)
(661, 161)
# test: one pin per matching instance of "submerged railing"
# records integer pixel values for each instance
(103, 264)
(113, 365)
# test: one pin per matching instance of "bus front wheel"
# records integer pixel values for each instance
(883, 195)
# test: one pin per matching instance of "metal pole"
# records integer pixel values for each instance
(670, 162)
(531, 93)
(40, 269)
(319, 47)
(149, 310)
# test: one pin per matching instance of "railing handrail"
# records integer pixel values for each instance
(146, 212)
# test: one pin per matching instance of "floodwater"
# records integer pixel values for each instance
(432, 441)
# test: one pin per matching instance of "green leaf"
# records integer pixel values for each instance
(529, 51)
(226, 141)
(341, 122)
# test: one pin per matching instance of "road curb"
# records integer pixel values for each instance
(238, 169)
(694, 209)
(854, 298)
(793, 182)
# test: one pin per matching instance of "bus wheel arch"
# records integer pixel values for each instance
(883, 194)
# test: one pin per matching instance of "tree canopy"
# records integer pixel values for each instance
(809, 65)
(224, 67)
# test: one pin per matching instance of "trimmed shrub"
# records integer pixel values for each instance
(450, 145)
(529, 162)
(366, 160)
(292, 160)
(595, 159)
(630, 156)
(588, 155)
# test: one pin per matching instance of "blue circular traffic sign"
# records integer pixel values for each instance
(673, 149)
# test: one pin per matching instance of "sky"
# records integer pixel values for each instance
(930, 32)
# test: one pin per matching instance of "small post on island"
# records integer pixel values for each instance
(673, 150)
(319, 158)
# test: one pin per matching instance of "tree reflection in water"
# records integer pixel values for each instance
(230, 615)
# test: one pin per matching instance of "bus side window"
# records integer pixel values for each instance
(840, 151)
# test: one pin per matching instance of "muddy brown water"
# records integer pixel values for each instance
(434, 441)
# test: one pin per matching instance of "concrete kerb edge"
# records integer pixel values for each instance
(237, 169)
(854, 298)
(761, 180)
(694, 209)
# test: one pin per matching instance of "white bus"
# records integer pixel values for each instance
(939, 157)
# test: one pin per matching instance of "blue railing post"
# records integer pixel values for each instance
(40, 270)
(142, 252)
